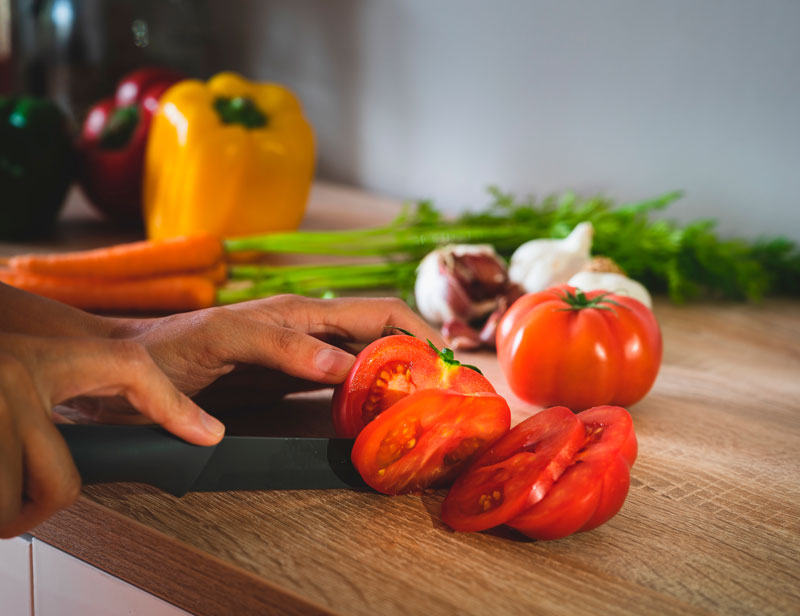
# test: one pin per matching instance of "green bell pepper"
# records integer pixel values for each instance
(37, 165)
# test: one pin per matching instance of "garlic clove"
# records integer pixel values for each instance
(613, 283)
(543, 263)
(460, 336)
(459, 282)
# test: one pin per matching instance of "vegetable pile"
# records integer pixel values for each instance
(184, 157)
(421, 419)
(685, 261)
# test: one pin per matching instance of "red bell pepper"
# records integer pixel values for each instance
(113, 140)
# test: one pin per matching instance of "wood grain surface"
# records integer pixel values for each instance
(711, 524)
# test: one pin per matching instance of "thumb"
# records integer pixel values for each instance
(89, 367)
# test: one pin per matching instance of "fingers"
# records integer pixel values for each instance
(354, 318)
(51, 479)
(31, 448)
(283, 332)
(123, 368)
(10, 447)
(368, 319)
(296, 354)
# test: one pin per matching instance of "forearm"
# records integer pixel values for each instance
(24, 313)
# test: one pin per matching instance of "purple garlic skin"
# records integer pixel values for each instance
(461, 336)
(459, 282)
(458, 286)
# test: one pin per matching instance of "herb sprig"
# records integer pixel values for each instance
(686, 261)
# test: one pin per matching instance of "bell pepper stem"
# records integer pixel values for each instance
(120, 127)
(240, 110)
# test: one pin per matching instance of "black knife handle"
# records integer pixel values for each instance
(141, 454)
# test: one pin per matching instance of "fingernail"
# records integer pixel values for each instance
(333, 361)
(212, 424)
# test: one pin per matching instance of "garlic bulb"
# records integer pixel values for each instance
(619, 284)
(540, 264)
(459, 282)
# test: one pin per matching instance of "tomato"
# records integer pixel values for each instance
(391, 368)
(516, 472)
(427, 438)
(561, 346)
(594, 487)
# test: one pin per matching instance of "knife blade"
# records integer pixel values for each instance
(144, 454)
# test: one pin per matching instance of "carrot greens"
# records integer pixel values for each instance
(685, 261)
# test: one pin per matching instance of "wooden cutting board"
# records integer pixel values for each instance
(711, 524)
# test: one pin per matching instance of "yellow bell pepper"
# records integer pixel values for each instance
(228, 157)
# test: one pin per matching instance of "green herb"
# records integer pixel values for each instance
(684, 260)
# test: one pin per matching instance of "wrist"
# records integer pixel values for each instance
(122, 328)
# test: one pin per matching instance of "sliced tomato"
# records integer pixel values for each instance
(516, 472)
(427, 438)
(391, 368)
(593, 488)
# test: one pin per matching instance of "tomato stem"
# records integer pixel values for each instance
(448, 357)
(579, 301)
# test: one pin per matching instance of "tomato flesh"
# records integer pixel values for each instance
(392, 384)
(390, 369)
(427, 438)
(594, 487)
(516, 472)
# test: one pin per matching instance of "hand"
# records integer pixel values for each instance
(37, 475)
(261, 342)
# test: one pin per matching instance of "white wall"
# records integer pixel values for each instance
(439, 98)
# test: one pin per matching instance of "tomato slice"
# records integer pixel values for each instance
(390, 369)
(427, 438)
(593, 488)
(516, 472)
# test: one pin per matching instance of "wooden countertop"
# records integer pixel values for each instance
(711, 524)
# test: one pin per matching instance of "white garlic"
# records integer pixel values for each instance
(540, 264)
(459, 282)
(619, 284)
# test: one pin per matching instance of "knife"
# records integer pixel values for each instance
(144, 454)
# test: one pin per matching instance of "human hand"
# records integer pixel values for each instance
(276, 345)
(37, 474)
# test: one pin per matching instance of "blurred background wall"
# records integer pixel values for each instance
(440, 98)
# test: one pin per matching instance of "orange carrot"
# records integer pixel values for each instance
(216, 273)
(133, 260)
(160, 294)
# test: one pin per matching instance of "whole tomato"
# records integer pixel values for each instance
(566, 347)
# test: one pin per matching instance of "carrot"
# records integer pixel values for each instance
(159, 294)
(133, 260)
(216, 273)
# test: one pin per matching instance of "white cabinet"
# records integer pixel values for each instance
(66, 586)
(15, 577)
(37, 579)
